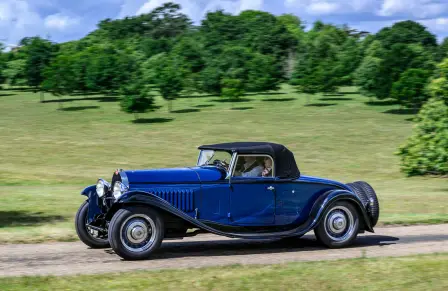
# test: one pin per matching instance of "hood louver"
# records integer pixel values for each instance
(182, 199)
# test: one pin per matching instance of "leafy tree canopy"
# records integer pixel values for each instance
(438, 87)
(39, 53)
(406, 32)
(409, 90)
(426, 151)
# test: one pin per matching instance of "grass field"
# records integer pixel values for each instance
(48, 155)
(405, 273)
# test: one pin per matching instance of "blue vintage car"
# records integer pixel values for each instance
(250, 190)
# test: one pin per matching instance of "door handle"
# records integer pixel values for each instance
(270, 188)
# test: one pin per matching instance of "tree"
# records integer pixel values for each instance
(107, 68)
(442, 50)
(306, 77)
(405, 45)
(257, 31)
(366, 75)
(232, 89)
(257, 72)
(409, 90)
(165, 72)
(438, 88)
(294, 25)
(39, 53)
(321, 66)
(426, 150)
(59, 76)
(135, 98)
(347, 61)
(14, 72)
(406, 32)
(165, 21)
(263, 74)
(3, 60)
(189, 58)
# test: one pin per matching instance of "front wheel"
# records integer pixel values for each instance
(136, 232)
(83, 233)
(339, 225)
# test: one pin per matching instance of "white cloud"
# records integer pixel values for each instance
(251, 5)
(60, 21)
(417, 8)
(322, 8)
(149, 6)
(17, 20)
(437, 25)
(5, 12)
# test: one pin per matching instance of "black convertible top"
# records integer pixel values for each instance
(285, 164)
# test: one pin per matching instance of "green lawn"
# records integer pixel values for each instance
(404, 273)
(47, 155)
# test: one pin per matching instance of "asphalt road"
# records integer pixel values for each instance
(210, 250)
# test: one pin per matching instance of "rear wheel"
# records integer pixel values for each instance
(136, 232)
(339, 225)
(83, 233)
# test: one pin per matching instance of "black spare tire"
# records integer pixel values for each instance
(373, 205)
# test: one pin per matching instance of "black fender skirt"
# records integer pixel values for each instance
(324, 201)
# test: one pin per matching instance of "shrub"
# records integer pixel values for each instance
(232, 88)
(135, 99)
(426, 151)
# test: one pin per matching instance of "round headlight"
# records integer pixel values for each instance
(100, 188)
(118, 189)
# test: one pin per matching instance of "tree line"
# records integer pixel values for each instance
(230, 55)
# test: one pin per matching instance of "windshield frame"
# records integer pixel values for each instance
(205, 163)
(231, 162)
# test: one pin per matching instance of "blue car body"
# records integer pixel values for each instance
(209, 199)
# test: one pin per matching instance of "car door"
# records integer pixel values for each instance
(252, 201)
(289, 201)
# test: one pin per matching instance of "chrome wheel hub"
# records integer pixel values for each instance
(339, 223)
(138, 233)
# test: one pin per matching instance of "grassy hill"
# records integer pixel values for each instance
(48, 155)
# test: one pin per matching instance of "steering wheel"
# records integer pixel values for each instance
(221, 164)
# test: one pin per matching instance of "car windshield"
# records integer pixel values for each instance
(209, 157)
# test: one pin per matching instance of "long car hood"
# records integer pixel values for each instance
(175, 175)
(162, 176)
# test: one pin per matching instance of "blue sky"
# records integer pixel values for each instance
(64, 20)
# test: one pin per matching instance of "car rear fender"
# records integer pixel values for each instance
(327, 199)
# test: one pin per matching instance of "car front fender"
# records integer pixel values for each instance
(151, 200)
(88, 189)
(94, 203)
